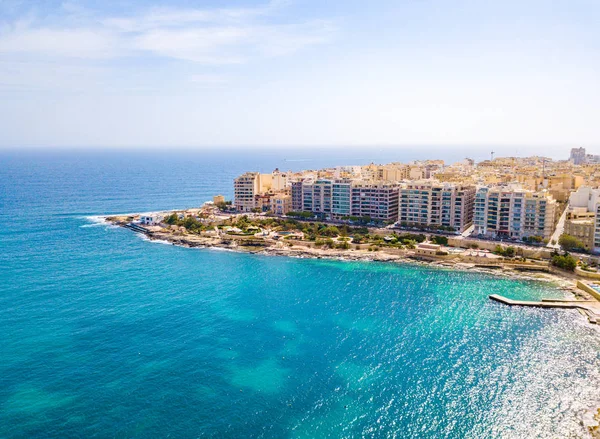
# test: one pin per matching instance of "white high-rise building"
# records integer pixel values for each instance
(245, 189)
(514, 213)
(583, 216)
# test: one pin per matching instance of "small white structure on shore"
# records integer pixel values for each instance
(150, 219)
(426, 249)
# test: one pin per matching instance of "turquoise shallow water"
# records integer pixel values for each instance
(105, 334)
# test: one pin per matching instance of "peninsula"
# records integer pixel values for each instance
(531, 218)
(528, 217)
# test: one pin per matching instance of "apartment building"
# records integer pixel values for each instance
(253, 190)
(307, 195)
(379, 201)
(322, 196)
(297, 205)
(596, 248)
(431, 203)
(582, 219)
(312, 196)
(514, 213)
(578, 156)
(245, 189)
(392, 172)
(343, 198)
(279, 181)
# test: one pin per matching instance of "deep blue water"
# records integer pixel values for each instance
(104, 334)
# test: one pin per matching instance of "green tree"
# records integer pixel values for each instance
(508, 252)
(566, 262)
(568, 243)
(343, 245)
(405, 237)
(330, 231)
(224, 205)
(440, 240)
(172, 219)
(410, 244)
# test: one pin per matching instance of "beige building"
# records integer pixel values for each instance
(416, 173)
(581, 227)
(279, 181)
(262, 202)
(395, 172)
(392, 172)
(427, 250)
(218, 199)
(432, 203)
(245, 189)
(248, 189)
(281, 203)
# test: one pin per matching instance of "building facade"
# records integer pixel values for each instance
(514, 213)
(429, 203)
(253, 190)
(322, 196)
(245, 189)
(297, 205)
(341, 198)
(582, 228)
(596, 248)
(577, 156)
(379, 201)
(281, 203)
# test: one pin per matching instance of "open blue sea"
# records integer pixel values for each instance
(104, 334)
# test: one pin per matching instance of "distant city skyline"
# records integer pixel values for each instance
(517, 77)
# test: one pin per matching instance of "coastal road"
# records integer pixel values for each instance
(560, 227)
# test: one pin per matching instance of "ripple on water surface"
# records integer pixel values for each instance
(104, 333)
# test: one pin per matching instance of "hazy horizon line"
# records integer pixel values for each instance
(475, 151)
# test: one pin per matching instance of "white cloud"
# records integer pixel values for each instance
(167, 17)
(52, 43)
(203, 45)
(207, 79)
(209, 36)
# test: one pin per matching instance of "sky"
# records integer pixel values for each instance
(282, 73)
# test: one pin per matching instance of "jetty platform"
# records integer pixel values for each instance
(590, 308)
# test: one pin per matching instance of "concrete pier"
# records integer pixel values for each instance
(589, 307)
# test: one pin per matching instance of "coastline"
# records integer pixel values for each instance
(590, 419)
(561, 280)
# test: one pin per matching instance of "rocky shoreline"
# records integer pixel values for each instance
(279, 248)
